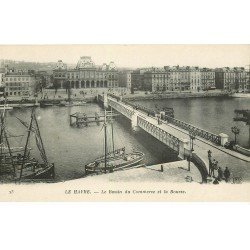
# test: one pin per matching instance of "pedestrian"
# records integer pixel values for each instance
(220, 174)
(209, 153)
(227, 174)
(213, 166)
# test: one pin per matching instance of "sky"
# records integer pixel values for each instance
(134, 56)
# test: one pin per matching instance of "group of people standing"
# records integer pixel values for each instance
(213, 166)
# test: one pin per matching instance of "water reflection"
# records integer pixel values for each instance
(71, 148)
(212, 114)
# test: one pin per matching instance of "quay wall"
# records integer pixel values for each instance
(174, 96)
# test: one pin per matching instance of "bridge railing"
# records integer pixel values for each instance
(195, 130)
(163, 136)
(186, 126)
(114, 96)
(200, 164)
(140, 107)
(127, 112)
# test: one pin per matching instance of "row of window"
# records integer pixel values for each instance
(86, 74)
(16, 93)
(16, 84)
(16, 79)
(16, 88)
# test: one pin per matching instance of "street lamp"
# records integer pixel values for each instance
(192, 136)
(236, 131)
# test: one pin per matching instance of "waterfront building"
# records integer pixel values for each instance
(124, 79)
(240, 79)
(138, 80)
(161, 79)
(248, 80)
(224, 78)
(86, 76)
(207, 78)
(19, 83)
(178, 77)
(195, 78)
(158, 78)
(2, 74)
(231, 79)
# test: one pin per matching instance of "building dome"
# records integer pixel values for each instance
(104, 66)
(85, 62)
(60, 65)
(112, 66)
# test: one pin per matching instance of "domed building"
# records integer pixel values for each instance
(112, 66)
(85, 62)
(59, 74)
(60, 65)
(88, 76)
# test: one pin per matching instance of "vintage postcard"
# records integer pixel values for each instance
(125, 123)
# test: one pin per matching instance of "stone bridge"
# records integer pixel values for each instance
(178, 138)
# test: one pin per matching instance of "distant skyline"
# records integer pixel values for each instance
(134, 56)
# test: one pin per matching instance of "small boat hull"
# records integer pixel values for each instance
(45, 173)
(241, 95)
(114, 163)
(45, 104)
(42, 173)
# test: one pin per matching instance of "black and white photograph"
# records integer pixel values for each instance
(88, 114)
(124, 124)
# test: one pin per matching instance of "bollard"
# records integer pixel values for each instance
(161, 168)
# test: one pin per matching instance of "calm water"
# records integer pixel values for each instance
(212, 114)
(71, 148)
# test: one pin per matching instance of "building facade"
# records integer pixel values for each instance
(207, 79)
(161, 79)
(195, 79)
(19, 84)
(124, 79)
(231, 79)
(179, 78)
(2, 75)
(138, 81)
(158, 78)
(241, 79)
(86, 75)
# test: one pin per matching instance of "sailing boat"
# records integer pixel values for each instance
(15, 166)
(117, 159)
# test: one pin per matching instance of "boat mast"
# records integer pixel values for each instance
(2, 128)
(1, 136)
(44, 156)
(112, 130)
(3, 133)
(105, 142)
(26, 145)
(10, 153)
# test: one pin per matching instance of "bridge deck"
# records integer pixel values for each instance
(236, 162)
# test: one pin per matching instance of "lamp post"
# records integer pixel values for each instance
(192, 138)
(236, 131)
